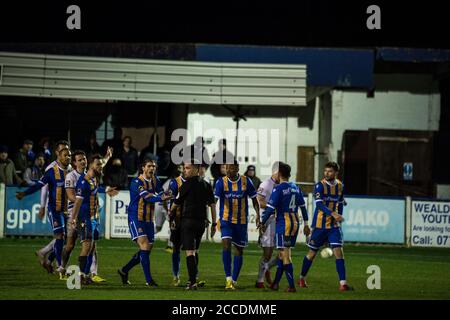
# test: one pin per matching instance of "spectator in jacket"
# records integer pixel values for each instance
(32, 175)
(251, 173)
(129, 155)
(8, 174)
(116, 176)
(25, 157)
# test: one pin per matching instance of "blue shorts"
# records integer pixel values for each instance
(236, 232)
(56, 220)
(320, 236)
(283, 241)
(95, 229)
(84, 226)
(141, 229)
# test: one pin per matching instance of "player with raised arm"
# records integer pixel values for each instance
(285, 200)
(232, 192)
(84, 210)
(80, 164)
(57, 204)
(46, 254)
(145, 190)
(326, 227)
(267, 238)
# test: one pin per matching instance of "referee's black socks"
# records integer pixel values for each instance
(192, 268)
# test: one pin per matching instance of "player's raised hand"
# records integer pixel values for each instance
(111, 191)
(20, 195)
(109, 152)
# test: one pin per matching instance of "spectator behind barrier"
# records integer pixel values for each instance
(251, 173)
(116, 176)
(129, 156)
(33, 174)
(8, 173)
(25, 157)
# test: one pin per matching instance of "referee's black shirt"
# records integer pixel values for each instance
(195, 194)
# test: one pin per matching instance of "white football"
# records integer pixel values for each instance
(326, 252)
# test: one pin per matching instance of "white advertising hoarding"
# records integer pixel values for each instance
(430, 224)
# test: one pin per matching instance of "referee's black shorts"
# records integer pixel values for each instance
(191, 233)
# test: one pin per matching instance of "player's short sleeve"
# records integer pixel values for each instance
(251, 190)
(218, 189)
(173, 186)
(318, 192)
(82, 189)
(47, 177)
(139, 188)
(274, 198)
(70, 182)
(264, 189)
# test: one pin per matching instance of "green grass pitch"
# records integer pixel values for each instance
(406, 273)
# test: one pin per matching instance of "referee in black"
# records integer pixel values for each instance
(194, 196)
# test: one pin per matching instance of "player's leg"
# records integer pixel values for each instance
(267, 242)
(238, 260)
(46, 256)
(145, 245)
(71, 239)
(280, 269)
(200, 283)
(317, 239)
(56, 220)
(135, 259)
(175, 238)
(226, 232)
(239, 240)
(287, 263)
(85, 234)
(336, 243)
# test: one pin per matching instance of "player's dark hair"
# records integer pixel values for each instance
(92, 158)
(78, 153)
(284, 170)
(61, 142)
(333, 165)
(144, 163)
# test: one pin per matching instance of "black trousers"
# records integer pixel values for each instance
(191, 233)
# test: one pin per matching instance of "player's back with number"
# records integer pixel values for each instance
(286, 200)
